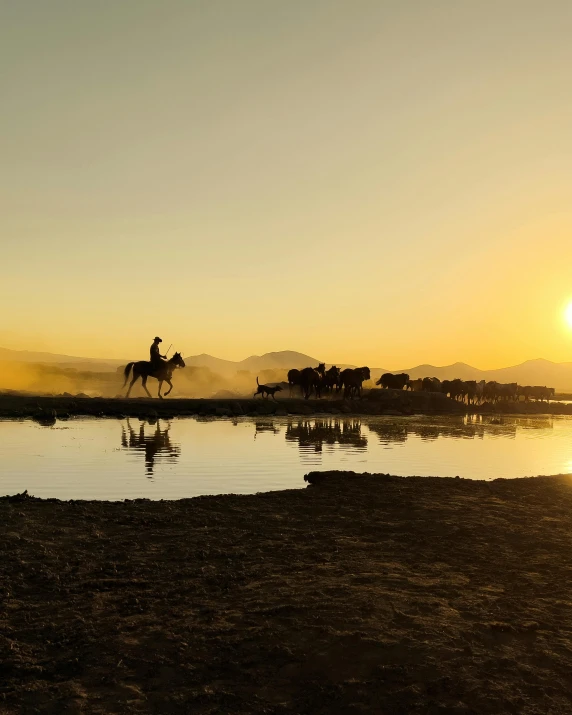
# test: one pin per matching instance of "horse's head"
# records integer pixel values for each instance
(177, 360)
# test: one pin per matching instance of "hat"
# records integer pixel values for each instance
(158, 340)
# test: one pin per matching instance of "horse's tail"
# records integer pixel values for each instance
(127, 371)
(257, 380)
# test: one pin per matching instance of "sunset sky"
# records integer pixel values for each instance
(371, 182)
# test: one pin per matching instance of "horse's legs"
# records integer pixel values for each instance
(133, 381)
(144, 381)
(170, 387)
(160, 386)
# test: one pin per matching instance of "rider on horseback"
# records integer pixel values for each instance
(157, 360)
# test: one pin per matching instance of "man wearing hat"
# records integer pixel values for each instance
(156, 358)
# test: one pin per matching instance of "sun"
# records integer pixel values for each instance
(568, 314)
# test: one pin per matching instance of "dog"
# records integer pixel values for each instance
(266, 390)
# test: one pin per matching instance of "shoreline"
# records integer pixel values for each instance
(360, 593)
(376, 402)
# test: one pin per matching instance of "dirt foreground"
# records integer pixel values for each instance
(359, 594)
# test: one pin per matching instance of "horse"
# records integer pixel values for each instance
(294, 380)
(144, 369)
(311, 378)
(332, 379)
(351, 380)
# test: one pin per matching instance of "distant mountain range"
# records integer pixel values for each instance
(531, 372)
(282, 360)
(66, 361)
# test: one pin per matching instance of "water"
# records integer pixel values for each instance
(113, 459)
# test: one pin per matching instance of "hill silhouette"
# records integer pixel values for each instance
(531, 372)
(281, 360)
(65, 361)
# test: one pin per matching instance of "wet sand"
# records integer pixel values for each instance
(374, 402)
(358, 594)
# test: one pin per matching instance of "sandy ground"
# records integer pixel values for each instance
(359, 594)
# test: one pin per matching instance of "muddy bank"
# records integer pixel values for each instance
(357, 594)
(375, 402)
(391, 402)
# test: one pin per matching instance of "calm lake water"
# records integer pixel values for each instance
(119, 459)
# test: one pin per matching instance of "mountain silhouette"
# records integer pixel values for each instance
(531, 372)
(282, 360)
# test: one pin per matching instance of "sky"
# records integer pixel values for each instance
(370, 182)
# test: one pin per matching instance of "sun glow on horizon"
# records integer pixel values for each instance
(568, 314)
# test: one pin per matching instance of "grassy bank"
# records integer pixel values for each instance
(357, 594)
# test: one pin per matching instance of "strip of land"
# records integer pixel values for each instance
(358, 594)
(374, 402)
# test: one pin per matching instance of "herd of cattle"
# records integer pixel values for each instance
(471, 391)
(319, 381)
(322, 381)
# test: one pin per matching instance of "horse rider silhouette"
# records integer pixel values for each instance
(157, 360)
(158, 367)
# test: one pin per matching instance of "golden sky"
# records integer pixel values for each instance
(373, 182)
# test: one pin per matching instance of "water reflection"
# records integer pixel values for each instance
(389, 432)
(269, 426)
(81, 458)
(155, 445)
(469, 427)
(315, 433)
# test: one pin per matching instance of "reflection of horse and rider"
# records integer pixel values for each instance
(155, 444)
(158, 367)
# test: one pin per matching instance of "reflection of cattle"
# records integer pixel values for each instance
(393, 382)
(469, 427)
(389, 432)
(316, 433)
(265, 427)
(352, 379)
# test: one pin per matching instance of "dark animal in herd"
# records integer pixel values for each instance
(144, 369)
(352, 380)
(471, 391)
(308, 379)
(267, 390)
(394, 382)
(318, 380)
